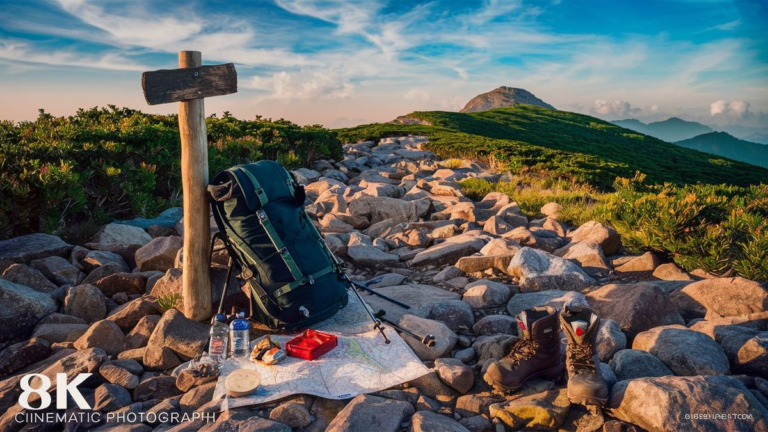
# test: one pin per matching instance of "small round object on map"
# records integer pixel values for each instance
(242, 382)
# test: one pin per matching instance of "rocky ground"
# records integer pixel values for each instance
(681, 351)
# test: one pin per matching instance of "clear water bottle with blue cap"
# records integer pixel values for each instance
(240, 329)
(217, 347)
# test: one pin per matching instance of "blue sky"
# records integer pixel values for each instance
(340, 63)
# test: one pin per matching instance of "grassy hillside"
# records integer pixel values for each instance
(69, 174)
(726, 145)
(574, 146)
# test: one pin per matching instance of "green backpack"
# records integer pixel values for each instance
(293, 279)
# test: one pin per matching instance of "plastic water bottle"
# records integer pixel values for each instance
(240, 328)
(217, 347)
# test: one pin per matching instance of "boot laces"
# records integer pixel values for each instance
(522, 350)
(582, 358)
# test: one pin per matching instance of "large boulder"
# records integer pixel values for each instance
(58, 270)
(159, 254)
(21, 308)
(672, 403)
(587, 254)
(371, 413)
(449, 251)
(175, 335)
(545, 410)
(746, 348)
(646, 262)
(632, 363)
(684, 351)
(723, 297)
(102, 334)
(555, 298)
(86, 302)
(427, 421)
(96, 259)
(610, 339)
(539, 271)
(128, 315)
(607, 237)
(369, 256)
(421, 298)
(445, 339)
(26, 248)
(119, 238)
(484, 294)
(29, 277)
(377, 209)
(22, 354)
(636, 307)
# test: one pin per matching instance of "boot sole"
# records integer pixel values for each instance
(555, 374)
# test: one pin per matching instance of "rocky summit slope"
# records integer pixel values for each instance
(677, 349)
(503, 97)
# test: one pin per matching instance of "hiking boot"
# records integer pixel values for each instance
(536, 354)
(585, 385)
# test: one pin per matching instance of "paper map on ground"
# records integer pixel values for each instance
(361, 363)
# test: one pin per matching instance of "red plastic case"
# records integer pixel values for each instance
(310, 345)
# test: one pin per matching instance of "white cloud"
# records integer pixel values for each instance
(731, 25)
(613, 109)
(454, 103)
(738, 109)
(21, 52)
(417, 95)
(330, 84)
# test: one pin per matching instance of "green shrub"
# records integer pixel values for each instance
(62, 173)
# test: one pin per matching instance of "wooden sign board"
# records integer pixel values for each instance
(176, 85)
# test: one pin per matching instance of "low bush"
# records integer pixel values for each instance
(66, 174)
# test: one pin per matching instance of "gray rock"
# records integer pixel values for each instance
(465, 356)
(685, 352)
(102, 334)
(197, 397)
(547, 409)
(447, 273)
(58, 333)
(324, 411)
(538, 271)
(118, 375)
(449, 251)
(129, 283)
(454, 313)
(455, 373)
(445, 339)
(555, 298)
(608, 239)
(493, 346)
(636, 307)
(158, 387)
(670, 272)
(293, 414)
(484, 294)
(724, 297)
(746, 348)
(95, 259)
(25, 275)
(119, 238)
(495, 324)
(610, 339)
(305, 176)
(138, 337)
(427, 421)
(421, 298)
(387, 279)
(21, 308)
(372, 413)
(58, 270)
(646, 262)
(26, 248)
(369, 256)
(588, 255)
(159, 254)
(631, 363)
(178, 334)
(476, 423)
(23, 354)
(111, 397)
(86, 302)
(666, 404)
(128, 315)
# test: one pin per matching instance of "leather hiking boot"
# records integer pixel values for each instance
(585, 384)
(536, 354)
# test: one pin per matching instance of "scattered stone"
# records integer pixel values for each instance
(86, 302)
(610, 339)
(159, 254)
(667, 404)
(447, 273)
(421, 298)
(605, 236)
(197, 397)
(685, 352)
(372, 413)
(484, 294)
(476, 404)
(111, 397)
(426, 421)
(476, 423)
(118, 375)
(385, 280)
(119, 238)
(636, 307)
(495, 324)
(95, 259)
(453, 313)
(324, 411)
(23, 354)
(631, 363)
(139, 336)
(58, 333)
(493, 346)
(369, 256)
(455, 373)
(587, 254)
(129, 283)
(102, 334)
(724, 297)
(746, 348)
(20, 309)
(538, 271)
(465, 355)
(292, 414)
(449, 251)
(29, 277)
(305, 176)
(425, 403)
(26, 248)
(646, 262)
(177, 334)
(670, 272)
(127, 316)
(58, 270)
(159, 387)
(445, 339)
(551, 209)
(432, 386)
(543, 410)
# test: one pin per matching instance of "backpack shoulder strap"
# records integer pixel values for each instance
(255, 189)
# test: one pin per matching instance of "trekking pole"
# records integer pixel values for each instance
(376, 322)
(427, 340)
(378, 294)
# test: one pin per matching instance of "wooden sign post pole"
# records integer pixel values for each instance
(188, 86)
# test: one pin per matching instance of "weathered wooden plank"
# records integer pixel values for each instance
(176, 85)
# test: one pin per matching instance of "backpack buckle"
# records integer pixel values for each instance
(311, 280)
(261, 214)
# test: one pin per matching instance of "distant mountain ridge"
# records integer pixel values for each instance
(670, 130)
(503, 97)
(726, 145)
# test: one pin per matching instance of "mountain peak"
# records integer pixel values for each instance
(503, 97)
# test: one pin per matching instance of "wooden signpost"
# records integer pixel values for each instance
(188, 86)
